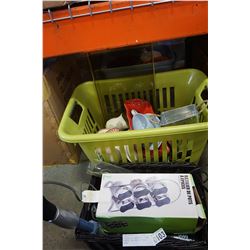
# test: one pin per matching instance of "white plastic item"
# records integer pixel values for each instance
(117, 122)
(182, 115)
(106, 130)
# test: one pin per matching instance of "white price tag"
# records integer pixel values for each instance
(136, 240)
(159, 235)
(90, 196)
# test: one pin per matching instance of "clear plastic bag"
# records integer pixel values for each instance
(97, 168)
(183, 115)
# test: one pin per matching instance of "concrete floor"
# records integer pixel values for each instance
(74, 175)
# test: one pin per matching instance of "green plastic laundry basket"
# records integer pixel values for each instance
(93, 103)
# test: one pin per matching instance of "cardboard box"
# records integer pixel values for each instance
(54, 150)
(143, 203)
(60, 77)
(53, 4)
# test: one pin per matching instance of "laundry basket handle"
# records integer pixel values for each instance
(201, 103)
(70, 121)
(199, 90)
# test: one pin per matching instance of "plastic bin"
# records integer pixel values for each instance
(93, 103)
(199, 240)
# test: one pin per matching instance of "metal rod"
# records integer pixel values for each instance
(110, 5)
(163, 1)
(68, 17)
(91, 13)
(90, 8)
(131, 4)
(142, 5)
(50, 16)
(81, 15)
(122, 8)
(70, 13)
(91, 68)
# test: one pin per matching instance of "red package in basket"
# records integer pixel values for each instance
(141, 106)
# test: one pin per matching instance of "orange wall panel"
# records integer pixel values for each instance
(125, 27)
